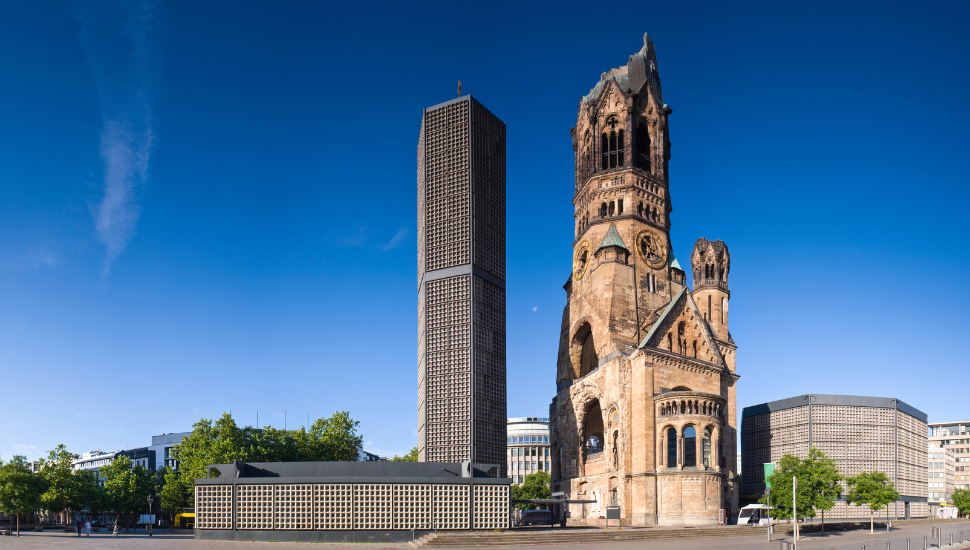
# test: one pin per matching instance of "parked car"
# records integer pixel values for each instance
(536, 517)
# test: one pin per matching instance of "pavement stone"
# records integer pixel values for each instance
(844, 540)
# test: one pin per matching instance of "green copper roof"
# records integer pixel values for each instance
(612, 238)
(674, 262)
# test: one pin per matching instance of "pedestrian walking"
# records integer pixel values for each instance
(115, 530)
(78, 525)
(87, 528)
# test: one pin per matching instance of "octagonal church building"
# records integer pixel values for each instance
(644, 417)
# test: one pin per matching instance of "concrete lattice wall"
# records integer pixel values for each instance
(368, 506)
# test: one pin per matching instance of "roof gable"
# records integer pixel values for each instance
(682, 329)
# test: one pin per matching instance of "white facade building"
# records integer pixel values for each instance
(940, 469)
(528, 447)
(955, 438)
(157, 455)
(162, 445)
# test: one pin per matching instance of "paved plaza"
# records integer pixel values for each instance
(832, 541)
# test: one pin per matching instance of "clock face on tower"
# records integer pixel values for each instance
(651, 249)
(581, 260)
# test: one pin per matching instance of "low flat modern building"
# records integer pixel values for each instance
(940, 470)
(954, 437)
(528, 446)
(863, 434)
(356, 501)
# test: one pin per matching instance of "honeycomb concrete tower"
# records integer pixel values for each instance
(644, 416)
(461, 284)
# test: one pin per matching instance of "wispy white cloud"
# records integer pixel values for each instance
(22, 446)
(30, 259)
(122, 46)
(77, 412)
(396, 240)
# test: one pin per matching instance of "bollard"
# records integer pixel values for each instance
(907, 544)
(924, 543)
(887, 545)
(951, 539)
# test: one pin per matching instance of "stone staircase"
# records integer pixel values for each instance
(533, 537)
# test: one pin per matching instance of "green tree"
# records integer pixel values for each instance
(872, 488)
(63, 489)
(819, 478)
(335, 438)
(411, 456)
(534, 486)
(20, 489)
(328, 439)
(176, 494)
(127, 486)
(961, 499)
(818, 485)
(781, 490)
(89, 494)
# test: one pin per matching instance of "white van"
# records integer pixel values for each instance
(753, 514)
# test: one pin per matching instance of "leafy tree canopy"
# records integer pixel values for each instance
(20, 489)
(534, 486)
(177, 492)
(818, 484)
(961, 499)
(411, 456)
(63, 488)
(872, 488)
(329, 439)
(127, 486)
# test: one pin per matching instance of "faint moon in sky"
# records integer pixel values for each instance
(535, 308)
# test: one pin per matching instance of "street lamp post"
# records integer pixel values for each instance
(794, 505)
(149, 522)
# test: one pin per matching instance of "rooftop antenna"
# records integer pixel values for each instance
(459, 88)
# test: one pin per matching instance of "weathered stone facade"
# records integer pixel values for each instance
(644, 362)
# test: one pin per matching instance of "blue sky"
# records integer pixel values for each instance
(208, 207)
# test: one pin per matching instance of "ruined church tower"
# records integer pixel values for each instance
(644, 416)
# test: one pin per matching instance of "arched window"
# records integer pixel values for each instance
(682, 338)
(619, 206)
(710, 312)
(612, 146)
(670, 341)
(613, 150)
(593, 429)
(671, 447)
(612, 208)
(589, 361)
(603, 210)
(643, 146)
(640, 209)
(690, 447)
(706, 444)
(695, 349)
(619, 150)
(582, 351)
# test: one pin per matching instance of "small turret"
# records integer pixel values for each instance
(711, 263)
